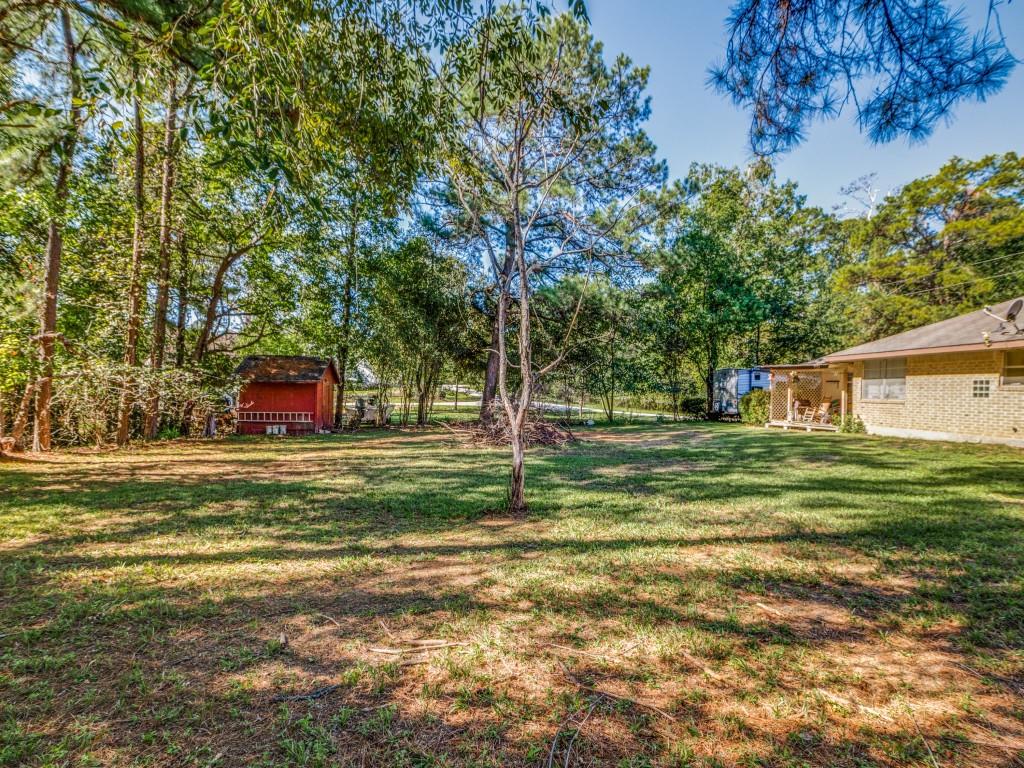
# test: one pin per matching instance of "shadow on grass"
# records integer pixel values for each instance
(951, 519)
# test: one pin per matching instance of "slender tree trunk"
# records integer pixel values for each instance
(21, 416)
(406, 399)
(491, 373)
(422, 399)
(516, 502)
(425, 386)
(610, 396)
(180, 325)
(421, 394)
(346, 313)
(709, 378)
(131, 349)
(517, 411)
(709, 392)
(346, 324)
(55, 243)
(181, 321)
(216, 292)
(163, 280)
(517, 478)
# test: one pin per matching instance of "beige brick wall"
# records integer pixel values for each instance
(939, 398)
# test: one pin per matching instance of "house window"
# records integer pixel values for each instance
(981, 388)
(885, 379)
(1013, 368)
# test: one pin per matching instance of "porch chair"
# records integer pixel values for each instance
(822, 414)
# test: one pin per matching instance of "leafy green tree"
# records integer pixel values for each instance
(263, 92)
(604, 356)
(943, 245)
(664, 334)
(742, 259)
(418, 318)
(550, 164)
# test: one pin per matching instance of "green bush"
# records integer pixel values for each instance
(692, 406)
(168, 432)
(754, 407)
(852, 425)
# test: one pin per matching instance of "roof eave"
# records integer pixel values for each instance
(797, 367)
(981, 346)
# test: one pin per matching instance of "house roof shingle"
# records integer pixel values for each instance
(284, 368)
(975, 330)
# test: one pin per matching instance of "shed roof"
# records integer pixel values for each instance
(975, 330)
(285, 369)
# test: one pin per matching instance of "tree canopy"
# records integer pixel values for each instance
(431, 193)
(901, 65)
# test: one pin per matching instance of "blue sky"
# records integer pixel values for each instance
(679, 39)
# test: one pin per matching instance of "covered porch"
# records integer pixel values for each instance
(811, 396)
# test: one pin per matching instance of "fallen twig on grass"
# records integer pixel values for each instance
(697, 663)
(616, 696)
(576, 732)
(1010, 746)
(389, 651)
(419, 647)
(428, 643)
(317, 694)
(842, 702)
(1009, 682)
(769, 609)
(935, 763)
(598, 656)
(335, 622)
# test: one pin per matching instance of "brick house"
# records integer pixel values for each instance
(960, 379)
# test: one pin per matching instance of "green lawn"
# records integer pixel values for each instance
(705, 595)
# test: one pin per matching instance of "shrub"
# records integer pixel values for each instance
(754, 407)
(692, 406)
(168, 432)
(852, 425)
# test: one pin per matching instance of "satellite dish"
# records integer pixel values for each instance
(1011, 317)
(1014, 311)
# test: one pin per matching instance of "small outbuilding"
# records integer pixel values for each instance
(286, 395)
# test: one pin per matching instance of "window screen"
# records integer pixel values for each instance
(1013, 368)
(885, 379)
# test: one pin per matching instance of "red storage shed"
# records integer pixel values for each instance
(293, 393)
